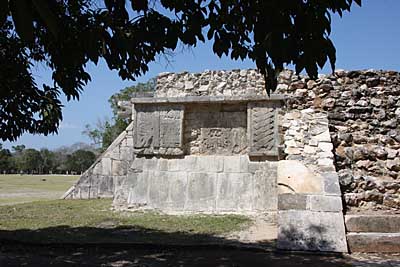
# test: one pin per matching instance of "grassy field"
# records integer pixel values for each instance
(75, 221)
(27, 188)
(46, 219)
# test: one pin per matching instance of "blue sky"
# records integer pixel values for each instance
(366, 38)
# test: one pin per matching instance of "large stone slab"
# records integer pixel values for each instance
(373, 223)
(158, 129)
(312, 231)
(295, 177)
(235, 192)
(201, 192)
(374, 242)
(265, 188)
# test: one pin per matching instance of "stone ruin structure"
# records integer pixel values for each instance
(214, 142)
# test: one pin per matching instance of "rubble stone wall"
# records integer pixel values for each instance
(363, 109)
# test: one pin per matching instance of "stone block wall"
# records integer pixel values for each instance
(310, 211)
(363, 110)
(108, 172)
(209, 184)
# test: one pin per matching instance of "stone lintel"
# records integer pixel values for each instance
(206, 99)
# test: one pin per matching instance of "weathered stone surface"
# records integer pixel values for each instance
(309, 230)
(201, 191)
(265, 195)
(374, 242)
(158, 129)
(331, 183)
(106, 164)
(235, 192)
(293, 176)
(292, 202)
(325, 203)
(171, 132)
(373, 223)
(262, 129)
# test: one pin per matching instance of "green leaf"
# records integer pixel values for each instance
(48, 16)
(22, 16)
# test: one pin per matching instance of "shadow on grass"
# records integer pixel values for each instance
(119, 246)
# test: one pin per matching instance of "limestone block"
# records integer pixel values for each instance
(295, 177)
(106, 166)
(324, 203)
(150, 164)
(234, 191)
(374, 242)
(292, 202)
(254, 166)
(137, 164)
(209, 164)
(126, 153)
(105, 186)
(138, 192)
(119, 167)
(232, 164)
(182, 164)
(177, 190)
(201, 191)
(265, 189)
(162, 164)
(331, 183)
(373, 223)
(311, 231)
(97, 168)
(159, 186)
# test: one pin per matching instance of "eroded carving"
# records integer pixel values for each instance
(171, 128)
(263, 130)
(147, 127)
(158, 129)
(222, 140)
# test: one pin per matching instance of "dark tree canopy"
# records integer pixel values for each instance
(66, 35)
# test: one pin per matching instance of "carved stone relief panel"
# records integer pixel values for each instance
(158, 129)
(262, 128)
(147, 131)
(171, 121)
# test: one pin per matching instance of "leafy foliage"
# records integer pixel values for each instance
(80, 160)
(67, 35)
(22, 160)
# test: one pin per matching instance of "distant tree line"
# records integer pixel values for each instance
(44, 161)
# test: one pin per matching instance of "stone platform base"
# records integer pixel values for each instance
(373, 233)
(209, 184)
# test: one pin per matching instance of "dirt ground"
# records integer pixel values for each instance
(193, 257)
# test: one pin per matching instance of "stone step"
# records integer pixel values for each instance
(374, 242)
(373, 223)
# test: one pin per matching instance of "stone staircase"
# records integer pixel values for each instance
(373, 233)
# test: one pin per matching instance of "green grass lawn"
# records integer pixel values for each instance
(28, 188)
(94, 221)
